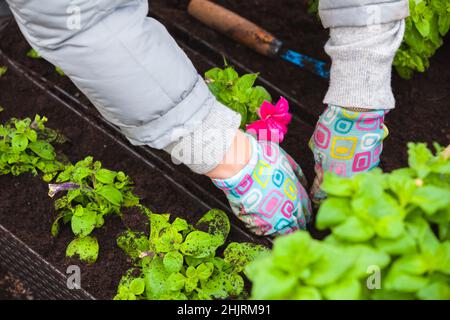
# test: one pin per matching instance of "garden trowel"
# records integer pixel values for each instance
(243, 31)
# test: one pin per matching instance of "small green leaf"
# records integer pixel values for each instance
(191, 284)
(176, 281)
(215, 222)
(180, 225)
(173, 261)
(231, 75)
(424, 27)
(32, 136)
(83, 221)
(239, 255)
(332, 212)
(347, 289)
(56, 226)
(337, 186)
(213, 74)
(330, 267)
(246, 81)
(19, 143)
(354, 229)
(137, 286)
(390, 227)
(419, 156)
(133, 243)
(156, 276)
(204, 270)
(86, 248)
(402, 245)
(43, 149)
(200, 244)
(404, 282)
(191, 272)
(111, 194)
(431, 199)
(158, 223)
(105, 176)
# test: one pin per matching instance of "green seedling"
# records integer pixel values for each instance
(179, 261)
(393, 224)
(237, 93)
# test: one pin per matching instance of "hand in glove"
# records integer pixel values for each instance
(346, 142)
(267, 194)
(348, 137)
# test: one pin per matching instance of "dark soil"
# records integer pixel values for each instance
(28, 212)
(11, 288)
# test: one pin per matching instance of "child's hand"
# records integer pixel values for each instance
(346, 142)
(267, 194)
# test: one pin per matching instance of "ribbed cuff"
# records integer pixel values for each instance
(362, 65)
(204, 148)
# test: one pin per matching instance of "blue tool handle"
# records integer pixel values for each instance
(316, 66)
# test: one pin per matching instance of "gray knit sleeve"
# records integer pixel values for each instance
(362, 64)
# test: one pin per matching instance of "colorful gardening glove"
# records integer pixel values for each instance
(268, 195)
(346, 142)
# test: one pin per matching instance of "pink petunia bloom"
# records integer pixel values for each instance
(273, 123)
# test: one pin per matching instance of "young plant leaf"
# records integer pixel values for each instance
(86, 248)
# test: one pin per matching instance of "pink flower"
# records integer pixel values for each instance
(273, 123)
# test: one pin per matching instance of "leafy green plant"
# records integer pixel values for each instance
(93, 192)
(426, 27)
(302, 268)
(237, 93)
(179, 261)
(397, 222)
(26, 146)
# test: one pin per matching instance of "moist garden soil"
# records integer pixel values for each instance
(28, 212)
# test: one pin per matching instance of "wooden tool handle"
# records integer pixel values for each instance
(235, 27)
